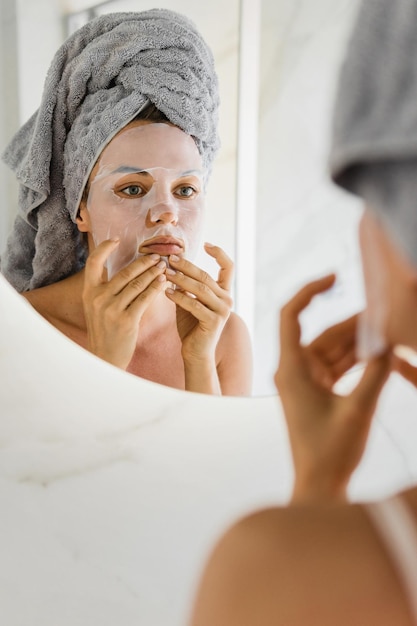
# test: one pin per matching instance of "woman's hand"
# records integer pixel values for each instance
(113, 309)
(334, 351)
(407, 371)
(203, 307)
(327, 432)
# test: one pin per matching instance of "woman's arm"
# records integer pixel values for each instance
(229, 373)
(234, 358)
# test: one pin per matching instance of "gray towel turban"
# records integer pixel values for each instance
(374, 152)
(99, 80)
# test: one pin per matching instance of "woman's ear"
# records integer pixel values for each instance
(83, 218)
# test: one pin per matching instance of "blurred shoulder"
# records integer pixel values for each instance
(307, 564)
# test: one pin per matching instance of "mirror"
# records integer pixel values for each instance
(270, 204)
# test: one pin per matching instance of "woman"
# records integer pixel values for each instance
(113, 167)
(321, 561)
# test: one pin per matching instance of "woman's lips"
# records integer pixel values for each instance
(162, 245)
(164, 249)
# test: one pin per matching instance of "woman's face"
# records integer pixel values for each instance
(146, 189)
(390, 279)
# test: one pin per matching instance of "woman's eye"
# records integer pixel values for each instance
(132, 190)
(186, 192)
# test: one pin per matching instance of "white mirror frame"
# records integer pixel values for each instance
(113, 490)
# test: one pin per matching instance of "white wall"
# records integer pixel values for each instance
(8, 109)
(306, 227)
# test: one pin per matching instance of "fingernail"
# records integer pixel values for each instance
(169, 291)
(162, 278)
(115, 239)
(174, 258)
(161, 264)
(170, 271)
(155, 257)
(209, 245)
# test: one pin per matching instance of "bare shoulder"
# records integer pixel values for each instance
(234, 357)
(234, 330)
(60, 303)
(316, 565)
(44, 300)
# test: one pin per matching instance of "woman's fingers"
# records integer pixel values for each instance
(132, 273)
(130, 282)
(294, 366)
(225, 263)
(408, 371)
(290, 330)
(203, 291)
(203, 305)
(334, 351)
(364, 397)
(141, 285)
(190, 270)
(94, 266)
(343, 365)
(194, 306)
(197, 292)
(335, 342)
(225, 273)
(140, 300)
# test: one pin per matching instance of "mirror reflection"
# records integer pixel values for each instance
(299, 56)
(113, 169)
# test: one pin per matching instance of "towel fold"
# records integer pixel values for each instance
(99, 80)
(374, 151)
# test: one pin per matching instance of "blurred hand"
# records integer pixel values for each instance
(327, 432)
(407, 371)
(333, 352)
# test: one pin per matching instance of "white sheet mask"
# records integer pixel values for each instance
(148, 190)
(371, 339)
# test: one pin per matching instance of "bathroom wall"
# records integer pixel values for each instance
(8, 110)
(306, 227)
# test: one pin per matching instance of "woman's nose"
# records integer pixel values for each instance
(164, 213)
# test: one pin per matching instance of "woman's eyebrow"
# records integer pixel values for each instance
(189, 172)
(129, 169)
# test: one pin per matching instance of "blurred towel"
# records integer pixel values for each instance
(374, 151)
(101, 77)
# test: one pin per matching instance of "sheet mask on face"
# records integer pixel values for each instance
(148, 191)
(371, 339)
